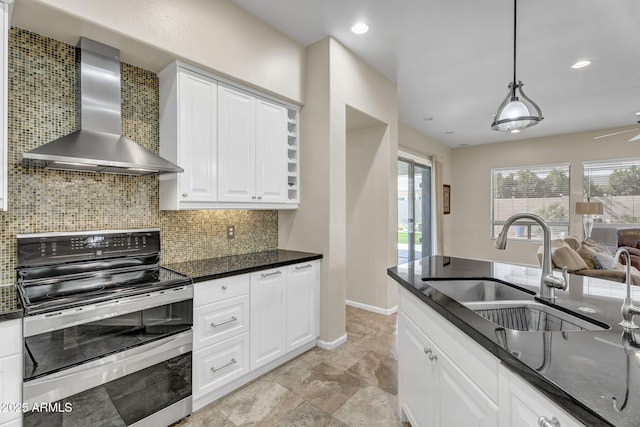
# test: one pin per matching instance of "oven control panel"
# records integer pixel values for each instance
(45, 248)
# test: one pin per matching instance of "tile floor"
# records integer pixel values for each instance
(354, 385)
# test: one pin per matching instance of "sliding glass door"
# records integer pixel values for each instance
(414, 210)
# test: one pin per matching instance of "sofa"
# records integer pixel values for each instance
(629, 238)
(589, 258)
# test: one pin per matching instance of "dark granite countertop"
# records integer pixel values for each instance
(580, 371)
(10, 306)
(216, 268)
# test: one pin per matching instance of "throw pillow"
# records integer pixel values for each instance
(587, 252)
(565, 256)
(603, 261)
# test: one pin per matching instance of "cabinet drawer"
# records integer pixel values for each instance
(218, 321)
(220, 289)
(220, 364)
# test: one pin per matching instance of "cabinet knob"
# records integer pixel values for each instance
(546, 422)
(184, 194)
(253, 197)
(224, 287)
(429, 352)
(259, 197)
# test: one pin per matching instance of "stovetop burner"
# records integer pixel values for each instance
(59, 271)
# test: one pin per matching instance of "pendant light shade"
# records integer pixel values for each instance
(517, 111)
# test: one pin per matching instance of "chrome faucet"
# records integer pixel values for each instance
(628, 309)
(548, 282)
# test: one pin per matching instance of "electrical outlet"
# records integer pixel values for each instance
(231, 231)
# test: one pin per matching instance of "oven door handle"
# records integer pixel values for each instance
(68, 382)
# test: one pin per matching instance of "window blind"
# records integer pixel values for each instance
(542, 190)
(616, 183)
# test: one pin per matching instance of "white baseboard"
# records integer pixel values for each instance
(373, 308)
(330, 345)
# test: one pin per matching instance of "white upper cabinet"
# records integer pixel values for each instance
(271, 152)
(237, 152)
(5, 12)
(238, 149)
(197, 111)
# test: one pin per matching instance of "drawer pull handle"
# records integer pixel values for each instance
(546, 422)
(215, 325)
(224, 287)
(275, 273)
(302, 267)
(213, 369)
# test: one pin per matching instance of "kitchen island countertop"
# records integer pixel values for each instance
(216, 268)
(580, 371)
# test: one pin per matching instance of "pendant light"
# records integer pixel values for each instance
(517, 111)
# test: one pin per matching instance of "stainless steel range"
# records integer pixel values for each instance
(107, 331)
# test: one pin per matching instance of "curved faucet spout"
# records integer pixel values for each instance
(628, 309)
(548, 282)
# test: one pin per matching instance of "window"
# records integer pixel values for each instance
(615, 183)
(541, 190)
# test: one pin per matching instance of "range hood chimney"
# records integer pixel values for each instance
(98, 146)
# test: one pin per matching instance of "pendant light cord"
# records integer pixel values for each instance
(515, 9)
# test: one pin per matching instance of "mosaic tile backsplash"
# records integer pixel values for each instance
(42, 107)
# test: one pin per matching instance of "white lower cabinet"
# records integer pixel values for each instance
(433, 390)
(247, 324)
(11, 371)
(303, 310)
(220, 364)
(522, 405)
(447, 379)
(268, 316)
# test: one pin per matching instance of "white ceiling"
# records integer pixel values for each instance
(452, 59)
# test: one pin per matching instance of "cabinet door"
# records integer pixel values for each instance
(271, 152)
(525, 406)
(11, 368)
(236, 146)
(197, 137)
(302, 304)
(416, 375)
(267, 316)
(461, 402)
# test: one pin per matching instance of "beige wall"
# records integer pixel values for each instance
(414, 142)
(471, 186)
(214, 34)
(336, 79)
(366, 273)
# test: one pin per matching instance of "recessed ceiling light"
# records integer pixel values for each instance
(359, 28)
(581, 64)
(638, 113)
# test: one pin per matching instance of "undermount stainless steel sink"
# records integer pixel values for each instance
(464, 290)
(532, 316)
(511, 307)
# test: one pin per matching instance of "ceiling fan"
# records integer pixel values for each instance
(633, 139)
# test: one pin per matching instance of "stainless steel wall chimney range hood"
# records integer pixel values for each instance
(98, 146)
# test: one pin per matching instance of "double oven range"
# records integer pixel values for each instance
(107, 331)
